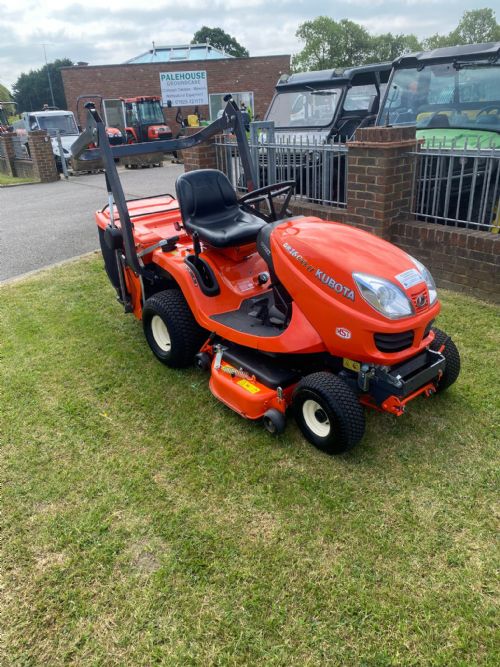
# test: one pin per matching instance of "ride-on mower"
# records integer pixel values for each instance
(284, 312)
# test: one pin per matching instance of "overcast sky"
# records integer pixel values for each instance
(112, 31)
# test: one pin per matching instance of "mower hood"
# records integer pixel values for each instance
(316, 261)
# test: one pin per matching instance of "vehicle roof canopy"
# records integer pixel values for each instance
(330, 78)
(487, 51)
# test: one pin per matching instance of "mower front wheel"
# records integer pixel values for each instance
(172, 333)
(328, 413)
(443, 343)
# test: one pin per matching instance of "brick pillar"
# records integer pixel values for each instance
(7, 140)
(379, 177)
(202, 156)
(44, 164)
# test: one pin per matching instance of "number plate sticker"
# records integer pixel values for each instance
(409, 278)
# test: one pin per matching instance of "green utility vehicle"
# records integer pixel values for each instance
(452, 95)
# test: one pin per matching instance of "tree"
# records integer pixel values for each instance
(5, 96)
(330, 44)
(32, 91)
(475, 26)
(221, 40)
(386, 48)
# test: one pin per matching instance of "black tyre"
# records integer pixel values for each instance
(274, 421)
(171, 330)
(328, 413)
(443, 343)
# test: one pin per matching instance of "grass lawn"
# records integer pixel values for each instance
(13, 180)
(145, 523)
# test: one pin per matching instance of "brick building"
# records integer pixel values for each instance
(256, 75)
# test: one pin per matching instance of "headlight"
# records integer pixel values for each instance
(429, 280)
(383, 295)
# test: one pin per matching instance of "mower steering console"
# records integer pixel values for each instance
(268, 193)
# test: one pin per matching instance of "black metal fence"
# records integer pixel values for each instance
(457, 185)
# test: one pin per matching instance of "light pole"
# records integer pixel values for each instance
(48, 74)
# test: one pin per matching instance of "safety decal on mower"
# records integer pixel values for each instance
(252, 388)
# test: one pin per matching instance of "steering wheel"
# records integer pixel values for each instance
(250, 201)
(488, 108)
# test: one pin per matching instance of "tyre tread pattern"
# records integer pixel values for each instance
(452, 356)
(185, 333)
(340, 398)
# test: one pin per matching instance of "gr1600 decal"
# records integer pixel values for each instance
(320, 275)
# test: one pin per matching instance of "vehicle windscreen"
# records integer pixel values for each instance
(151, 112)
(65, 123)
(304, 108)
(450, 95)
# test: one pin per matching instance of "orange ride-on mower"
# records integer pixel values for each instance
(286, 314)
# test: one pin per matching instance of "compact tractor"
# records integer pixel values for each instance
(144, 120)
(286, 313)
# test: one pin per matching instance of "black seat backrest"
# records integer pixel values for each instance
(206, 194)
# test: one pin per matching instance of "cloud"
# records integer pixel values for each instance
(121, 29)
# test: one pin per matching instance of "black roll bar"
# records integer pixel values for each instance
(95, 133)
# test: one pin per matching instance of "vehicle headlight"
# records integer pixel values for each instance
(429, 280)
(383, 295)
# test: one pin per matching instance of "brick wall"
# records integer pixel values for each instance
(258, 75)
(459, 259)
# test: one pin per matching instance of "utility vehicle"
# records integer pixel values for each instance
(327, 105)
(452, 95)
(51, 120)
(284, 312)
(309, 110)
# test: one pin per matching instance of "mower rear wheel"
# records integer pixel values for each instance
(443, 343)
(328, 413)
(172, 333)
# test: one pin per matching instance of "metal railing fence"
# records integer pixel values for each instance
(318, 169)
(457, 185)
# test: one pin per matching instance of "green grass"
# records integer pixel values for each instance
(145, 523)
(13, 180)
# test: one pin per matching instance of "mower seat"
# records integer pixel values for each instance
(210, 209)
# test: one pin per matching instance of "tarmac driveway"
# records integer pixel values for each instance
(43, 224)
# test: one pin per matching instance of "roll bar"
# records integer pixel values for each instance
(95, 133)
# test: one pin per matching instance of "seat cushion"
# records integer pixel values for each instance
(209, 207)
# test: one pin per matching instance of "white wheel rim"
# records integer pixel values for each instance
(160, 333)
(315, 418)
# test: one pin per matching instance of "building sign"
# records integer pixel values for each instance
(184, 89)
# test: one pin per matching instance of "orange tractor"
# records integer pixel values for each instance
(144, 120)
(286, 313)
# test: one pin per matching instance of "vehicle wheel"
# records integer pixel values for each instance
(274, 421)
(443, 343)
(173, 334)
(328, 413)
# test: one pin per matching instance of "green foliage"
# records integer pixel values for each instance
(5, 95)
(32, 91)
(144, 523)
(329, 43)
(221, 40)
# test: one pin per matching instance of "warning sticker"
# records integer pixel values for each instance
(409, 278)
(252, 388)
(352, 365)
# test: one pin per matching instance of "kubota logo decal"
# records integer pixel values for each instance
(323, 277)
(343, 333)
